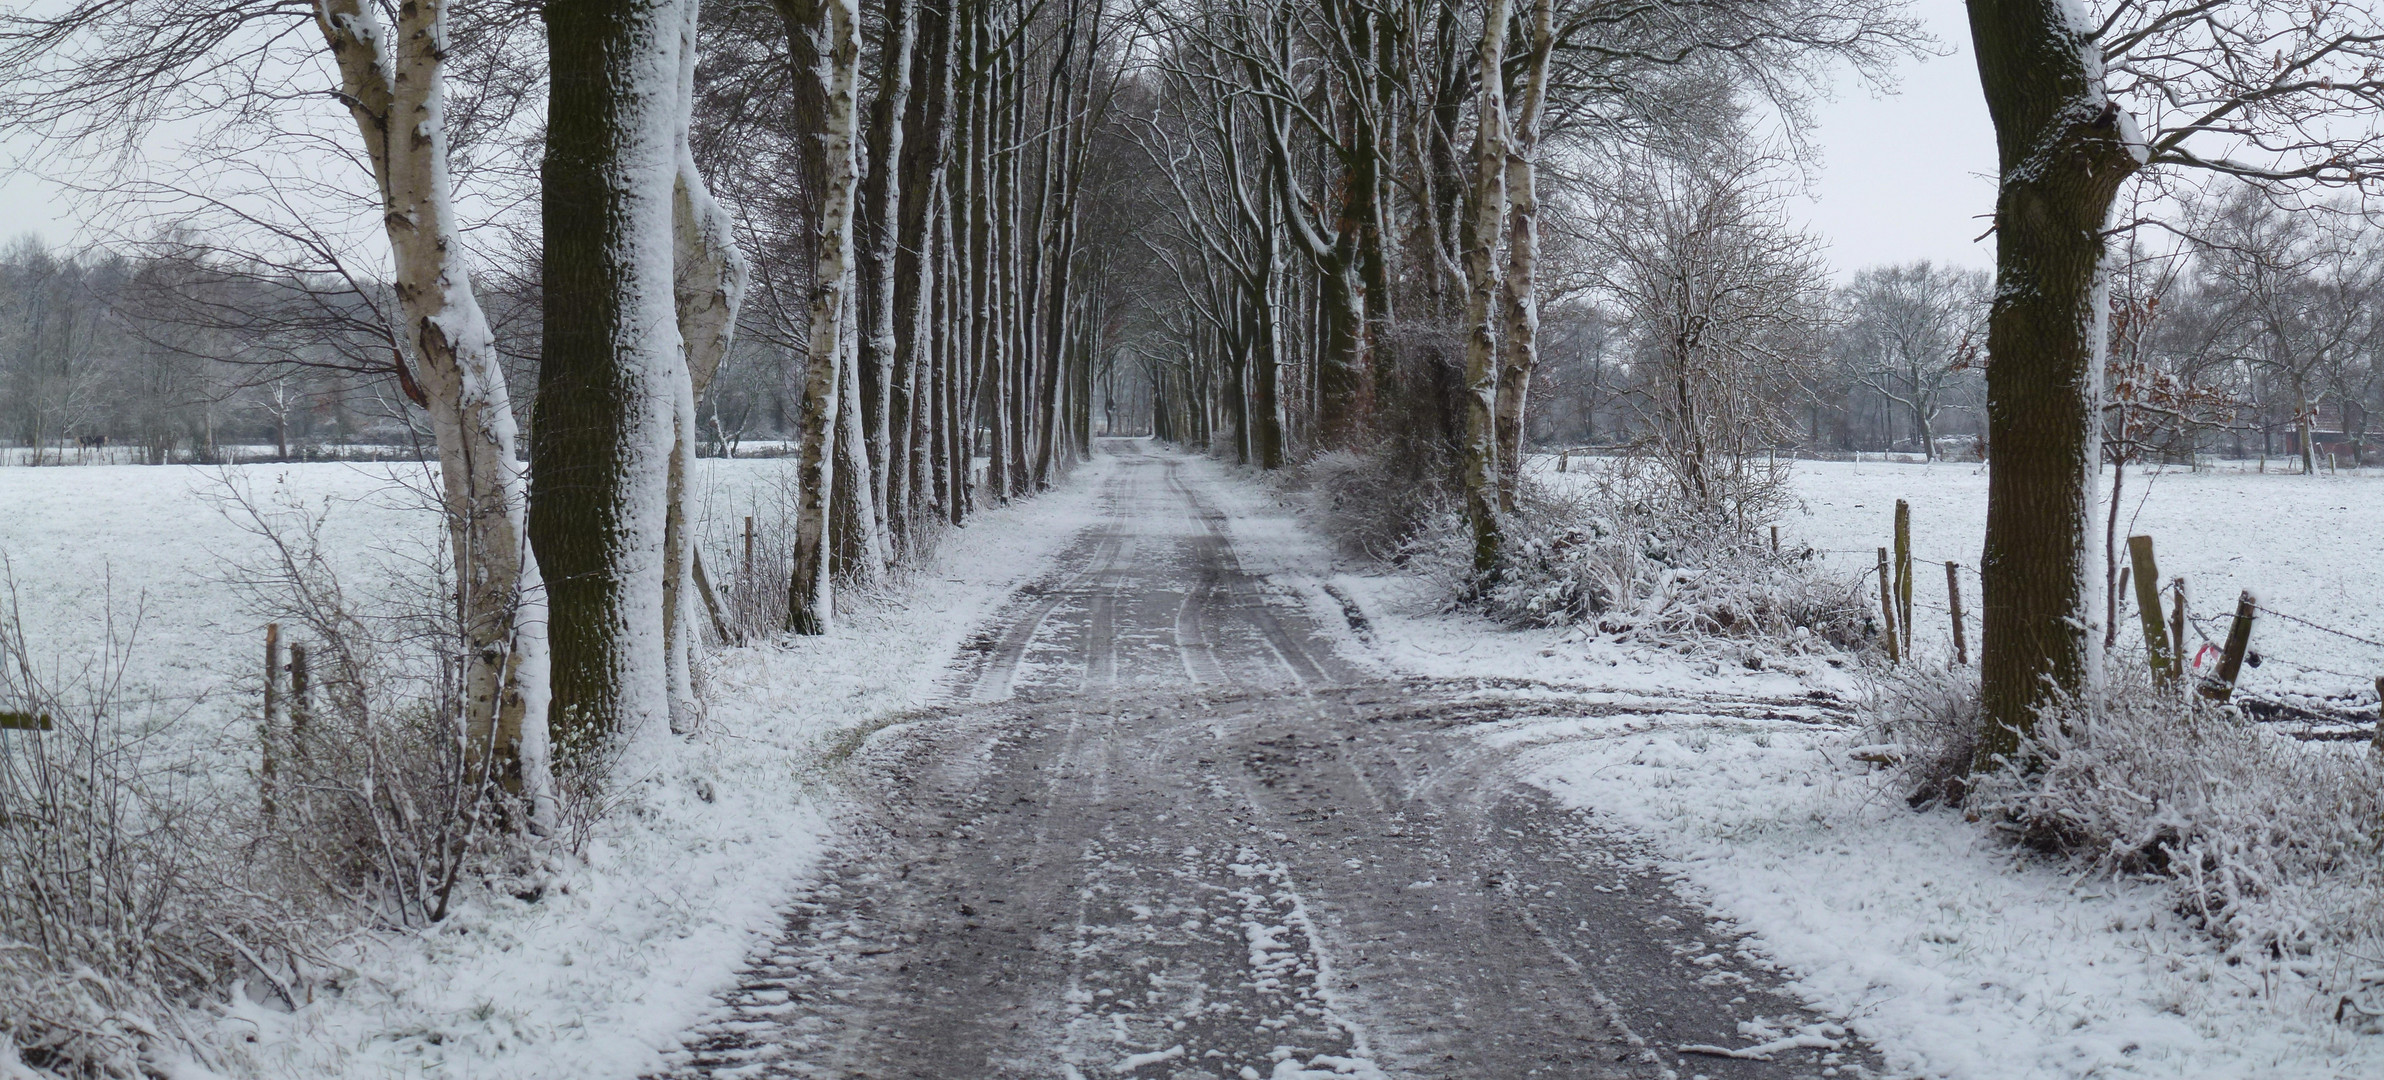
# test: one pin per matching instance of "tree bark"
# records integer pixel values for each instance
(611, 369)
(1488, 205)
(483, 492)
(881, 206)
(832, 37)
(2064, 149)
(1518, 290)
(708, 285)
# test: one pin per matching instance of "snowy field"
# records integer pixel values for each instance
(1963, 958)
(151, 551)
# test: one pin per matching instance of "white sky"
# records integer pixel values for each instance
(1906, 177)
(1901, 176)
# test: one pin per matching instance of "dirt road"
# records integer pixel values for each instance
(1165, 830)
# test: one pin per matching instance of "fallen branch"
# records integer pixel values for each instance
(1764, 1051)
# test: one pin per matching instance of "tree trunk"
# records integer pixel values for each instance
(832, 33)
(926, 144)
(882, 210)
(483, 493)
(858, 549)
(2064, 150)
(709, 276)
(1519, 289)
(611, 371)
(2303, 429)
(1488, 205)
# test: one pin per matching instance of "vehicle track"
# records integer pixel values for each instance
(1164, 829)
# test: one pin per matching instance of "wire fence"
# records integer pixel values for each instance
(2365, 705)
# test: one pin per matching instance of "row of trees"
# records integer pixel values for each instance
(898, 268)
(1350, 204)
(129, 349)
(2244, 328)
(1288, 226)
(1354, 207)
(2263, 317)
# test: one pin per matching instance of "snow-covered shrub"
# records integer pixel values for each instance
(1625, 555)
(365, 793)
(122, 887)
(1371, 506)
(2274, 845)
(1927, 719)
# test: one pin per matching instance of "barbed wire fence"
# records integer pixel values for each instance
(2323, 717)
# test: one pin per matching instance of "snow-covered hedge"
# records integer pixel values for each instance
(1369, 506)
(1625, 555)
(2273, 845)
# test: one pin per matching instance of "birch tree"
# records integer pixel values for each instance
(100, 73)
(1480, 248)
(826, 39)
(709, 277)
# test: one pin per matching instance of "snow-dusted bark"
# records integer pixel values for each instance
(2065, 148)
(924, 213)
(1480, 258)
(883, 202)
(1518, 290)
(394, 86)
(859, 553)
(835, 34)
(708, 284)
(613, 377)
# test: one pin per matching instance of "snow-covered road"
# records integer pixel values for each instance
(1164, 826)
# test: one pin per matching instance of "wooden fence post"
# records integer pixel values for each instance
(1953, 602)
(2177, 627)
(301, 700)
(268, 732)
(1904, 572)
(2221, 684)
(703, 588)
(1775, 539)
(2148, 610)
(1887, 607)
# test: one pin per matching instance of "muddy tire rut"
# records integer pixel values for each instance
(1163, 829)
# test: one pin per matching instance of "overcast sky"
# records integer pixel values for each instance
(1907, 176)
(1901, 177)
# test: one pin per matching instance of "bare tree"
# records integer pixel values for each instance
(104, 70)
(1725, 304)
(2278, 92)
(1909, 332)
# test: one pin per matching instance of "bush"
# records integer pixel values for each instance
(2275, 846)
(140, 879)
(121, 886)
(1371, 507)
(366, 797)
(1622, 553)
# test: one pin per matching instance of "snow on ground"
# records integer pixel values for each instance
(682, 876)
(2300, 543)
(1411, 629)
(1960, 957)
